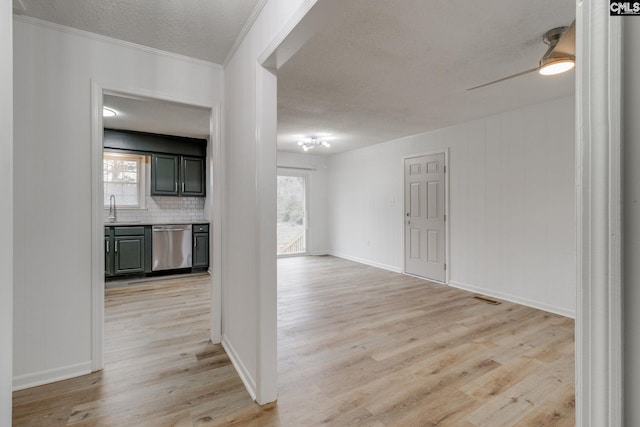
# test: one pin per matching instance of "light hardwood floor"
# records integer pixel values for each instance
(358, 346)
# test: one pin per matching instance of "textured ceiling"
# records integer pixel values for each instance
(203, 29)
(381, 70)
(155, 116)
(378, 70)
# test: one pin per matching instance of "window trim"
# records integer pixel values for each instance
(141, 160)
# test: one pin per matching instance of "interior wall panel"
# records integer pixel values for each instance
(511, 204)
(54, 69)
(249, 284)
(631, 218)
(6, 213)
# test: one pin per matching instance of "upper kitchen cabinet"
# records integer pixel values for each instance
(164, 175)
(177, 163)
(177, 176)
(192, 176)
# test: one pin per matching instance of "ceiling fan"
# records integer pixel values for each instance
(560, 55)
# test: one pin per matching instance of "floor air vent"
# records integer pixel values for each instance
(487, 300)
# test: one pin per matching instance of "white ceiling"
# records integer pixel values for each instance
(155, 116)
(381, 70)
(203, 29)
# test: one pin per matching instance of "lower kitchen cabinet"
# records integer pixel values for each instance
(127, 250)
(200, 246)
(128, 255)
(108, 258)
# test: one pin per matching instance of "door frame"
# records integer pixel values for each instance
(284, 171)
(447, 244)
(215, 181)
(599, 300)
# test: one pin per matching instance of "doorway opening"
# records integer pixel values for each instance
(291, 226)
(147, 112)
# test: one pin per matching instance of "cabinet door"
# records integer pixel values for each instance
(200, 250)
(192, 176)
(108, 257)
(164, 175)
(128, 254)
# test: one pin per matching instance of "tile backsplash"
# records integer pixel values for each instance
(164, 209)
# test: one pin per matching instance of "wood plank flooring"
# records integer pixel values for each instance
(358, 346)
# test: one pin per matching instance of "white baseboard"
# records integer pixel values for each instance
(471, 288)
(51, 375)
(248, 381)
(512, 298)
(367, 262)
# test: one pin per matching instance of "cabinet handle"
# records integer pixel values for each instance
(175, 186)
(116, 248)
(195, 243)
(107, 245)
(183, 187)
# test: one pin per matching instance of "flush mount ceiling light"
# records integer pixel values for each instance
(108, 112)
(312, 143)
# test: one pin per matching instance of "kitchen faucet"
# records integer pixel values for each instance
(112, 208)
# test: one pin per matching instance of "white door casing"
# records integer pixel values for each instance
(424, 187)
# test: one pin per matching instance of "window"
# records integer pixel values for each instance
(291, 215)
(123, 176)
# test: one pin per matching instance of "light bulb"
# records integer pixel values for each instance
(557, 67)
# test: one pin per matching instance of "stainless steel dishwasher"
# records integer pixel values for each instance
(171, 248)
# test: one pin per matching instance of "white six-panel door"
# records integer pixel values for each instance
(424, 180)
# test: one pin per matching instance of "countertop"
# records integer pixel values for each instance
(143, 223)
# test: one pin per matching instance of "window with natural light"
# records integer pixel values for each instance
(123, 176)
(291, 216)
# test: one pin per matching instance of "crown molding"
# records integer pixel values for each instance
(113, 41)
(245, 30)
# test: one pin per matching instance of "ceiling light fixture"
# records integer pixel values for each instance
(555, 61)
(312, 143)
(553, 66)
(108, 112)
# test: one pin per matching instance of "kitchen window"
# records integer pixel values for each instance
(123, 176)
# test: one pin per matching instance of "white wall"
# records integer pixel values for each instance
(249, 275)
(6, 213)
(54, 68)
(511, 210)
(315, 167)
(631, 218)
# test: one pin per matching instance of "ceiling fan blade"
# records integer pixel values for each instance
(567, 43)
(504, 78)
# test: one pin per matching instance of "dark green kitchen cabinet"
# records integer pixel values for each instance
(108, 258)
(192, 176)
(164, 175)
(128, 254)
(173, 175)
(200, 246)
(127, 250)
